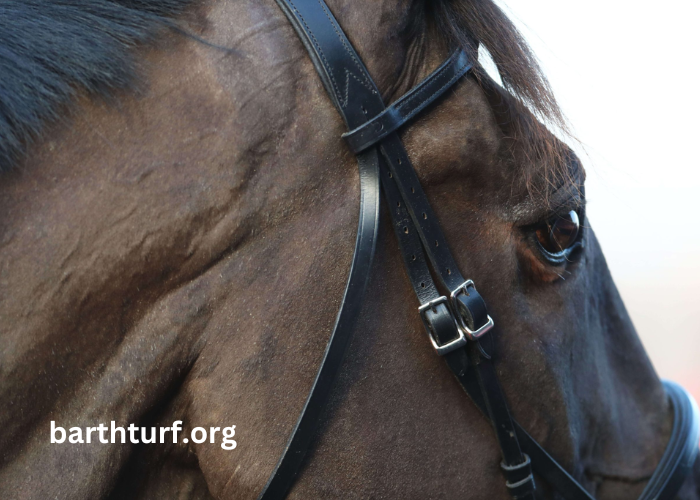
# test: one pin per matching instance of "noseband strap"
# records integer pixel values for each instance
(457, 323)
(681, 450)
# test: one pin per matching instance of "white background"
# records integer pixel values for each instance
(626, 75)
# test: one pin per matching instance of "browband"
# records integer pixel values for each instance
(407, 107)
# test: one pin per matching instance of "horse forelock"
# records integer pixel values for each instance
(525, 103)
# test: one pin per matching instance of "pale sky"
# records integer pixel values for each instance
(626, 76)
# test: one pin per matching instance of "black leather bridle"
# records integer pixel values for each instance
(458, 326)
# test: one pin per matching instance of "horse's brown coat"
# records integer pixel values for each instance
(182, 256)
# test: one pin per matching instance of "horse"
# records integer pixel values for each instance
(179, 213)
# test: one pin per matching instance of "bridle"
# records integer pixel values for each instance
(458, 326)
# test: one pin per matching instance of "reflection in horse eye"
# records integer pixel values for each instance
(560, 234)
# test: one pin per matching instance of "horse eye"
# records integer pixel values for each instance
(559, 234)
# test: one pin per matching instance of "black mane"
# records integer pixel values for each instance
(52, 49)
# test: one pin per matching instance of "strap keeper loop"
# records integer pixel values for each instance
(522, 489)
(519, 478)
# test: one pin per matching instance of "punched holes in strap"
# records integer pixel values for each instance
(519, 479)
(408, 106)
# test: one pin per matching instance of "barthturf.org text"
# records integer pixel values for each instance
(136, 435)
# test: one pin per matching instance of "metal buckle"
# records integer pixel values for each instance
(460, 341)
(471, 334)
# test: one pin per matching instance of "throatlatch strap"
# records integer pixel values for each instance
(354, 94)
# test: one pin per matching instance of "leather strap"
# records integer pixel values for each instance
(681, 450)
(357, 99)
(466, 301)
(424, 219)
(341, 70)
(373, 130)
(443, 331)
(547, 467)
(290, 462)
(440, 324)
(409, 243)
(515, 466)
(434, 309)
(407, 107)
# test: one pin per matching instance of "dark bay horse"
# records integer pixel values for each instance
(178, 219)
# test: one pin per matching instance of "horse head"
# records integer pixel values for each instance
(179, 250)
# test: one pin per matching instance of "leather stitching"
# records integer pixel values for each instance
(318, 48)
(348, 74)
(425, 84)
(350, 52)
(366, 131)
(364, 81)
(451, 81)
